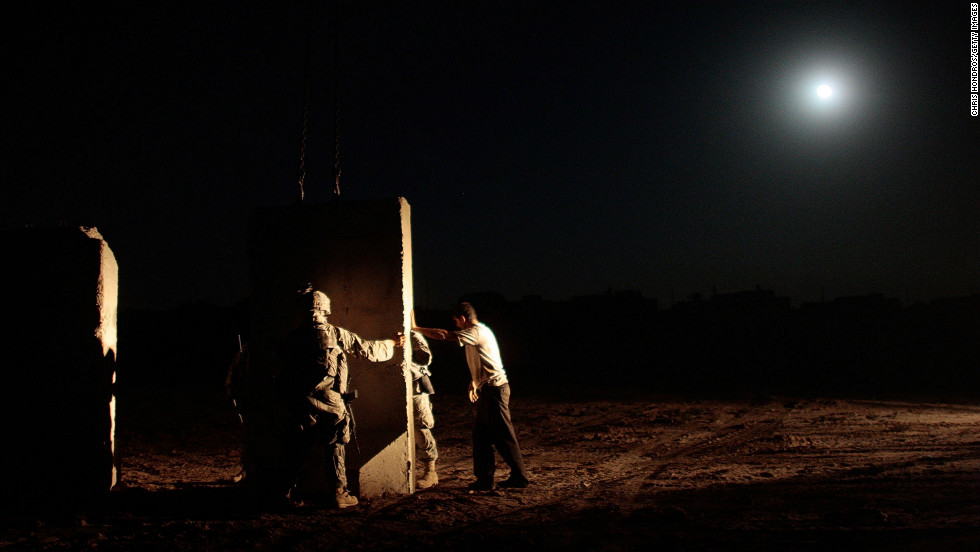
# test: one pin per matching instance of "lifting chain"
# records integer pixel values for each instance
(306, 106)
(302, 140)
(336, 99)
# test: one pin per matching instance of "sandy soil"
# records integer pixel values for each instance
(625, 474)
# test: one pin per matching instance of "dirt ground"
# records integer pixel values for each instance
(624, 474)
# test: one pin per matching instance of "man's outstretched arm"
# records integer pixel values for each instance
(437, 333)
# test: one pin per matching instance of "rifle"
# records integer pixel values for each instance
(349, 398)
(241, 358)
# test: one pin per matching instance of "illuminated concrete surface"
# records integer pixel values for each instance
(58, 403)
(359, 254)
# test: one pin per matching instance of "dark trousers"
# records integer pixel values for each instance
(328, 433)
(494, 429)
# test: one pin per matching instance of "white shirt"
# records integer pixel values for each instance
(482, 355)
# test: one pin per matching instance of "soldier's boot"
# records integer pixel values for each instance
(429, 477)
(345, 499)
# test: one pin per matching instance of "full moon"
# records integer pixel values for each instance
(824, 91)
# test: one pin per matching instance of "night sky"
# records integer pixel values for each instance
(546, 148)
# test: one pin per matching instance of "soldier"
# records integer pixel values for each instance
(239, 392)
(425, 443)
(316, 382)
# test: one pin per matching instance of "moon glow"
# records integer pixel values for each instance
(824, 91)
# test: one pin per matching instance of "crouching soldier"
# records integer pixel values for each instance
(316, 381)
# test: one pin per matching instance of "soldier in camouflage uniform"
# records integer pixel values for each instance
(317, 379)
(425, 443)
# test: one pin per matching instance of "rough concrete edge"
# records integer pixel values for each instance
(107, 301)
(408, 304)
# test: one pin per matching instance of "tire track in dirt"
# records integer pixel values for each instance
(762, 422)
(561, 482)
(619, 481)
(593, 466)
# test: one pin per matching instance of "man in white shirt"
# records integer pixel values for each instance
(490, 390)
